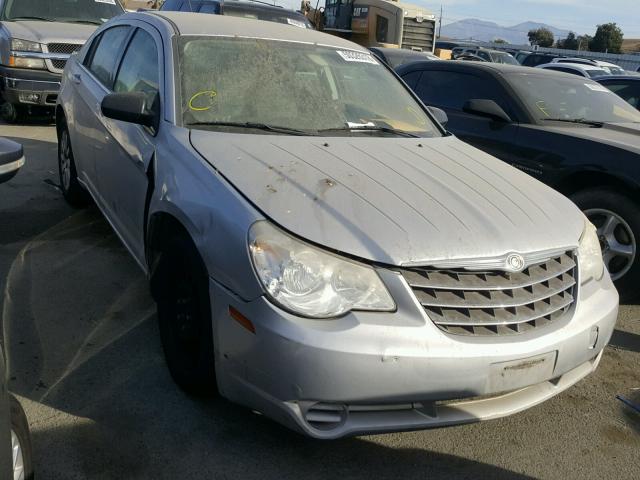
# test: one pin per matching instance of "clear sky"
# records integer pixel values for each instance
(581, 16)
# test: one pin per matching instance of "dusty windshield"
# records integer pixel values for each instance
(299, 86)
(554, 97)
(81, 11)
(504, 58)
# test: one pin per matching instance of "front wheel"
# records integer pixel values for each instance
(181, 286)
(20, 443)
(617, 219)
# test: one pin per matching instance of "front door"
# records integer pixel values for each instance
(124, 168)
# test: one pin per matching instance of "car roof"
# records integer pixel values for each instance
(576, 66)
(187, 23)
(631, 78)
(496, 69)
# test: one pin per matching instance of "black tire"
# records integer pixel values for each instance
(626, 276)
(181, 288)
(73, 192)
(11, 112)
(20, 427)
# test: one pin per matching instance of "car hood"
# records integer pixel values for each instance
(621, 135)
(394, 200)
(50, 32)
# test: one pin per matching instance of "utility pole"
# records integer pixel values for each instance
(440, 23)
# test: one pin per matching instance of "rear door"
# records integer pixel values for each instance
(92, 80)
(450, 90)
(124, 169)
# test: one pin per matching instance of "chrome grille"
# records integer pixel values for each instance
(496, 302)
(67, 48)
(418, 35)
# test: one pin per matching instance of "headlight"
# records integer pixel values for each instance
(590, 254)
(22, 62)
(18, 45)
(311, 282)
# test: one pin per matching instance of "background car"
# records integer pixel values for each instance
(394, 57)
(15, 442)
(625, 86)
(488, 55)
(538, 58)
(521, 55)
(11, 159)
(36, 39)
(571, 133)
(238, 8)
(610, 68)
(581, 70)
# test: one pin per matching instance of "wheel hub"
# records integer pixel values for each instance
(617, 241)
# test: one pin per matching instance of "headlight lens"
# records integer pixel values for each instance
(311, 282)
(590, 254)
(19, 45)
(21, 62)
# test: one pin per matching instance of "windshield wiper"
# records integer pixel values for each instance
(581, 121)
(30, 18)
(257, 126)
(371, 128)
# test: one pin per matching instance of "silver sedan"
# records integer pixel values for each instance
(320, 248)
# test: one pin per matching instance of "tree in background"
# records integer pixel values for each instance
(583, 42)
(569, 43)
(542, 37)
(500, 41)
(608, 38)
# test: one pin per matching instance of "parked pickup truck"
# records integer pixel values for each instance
(36, 39)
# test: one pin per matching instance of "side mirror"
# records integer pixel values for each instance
(440, 115)
(131, 107)
(11, 159)
(486, 108)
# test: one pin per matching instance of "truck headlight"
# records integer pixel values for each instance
(19, 45)
(311, 282)
(24, 62)
(590, 254)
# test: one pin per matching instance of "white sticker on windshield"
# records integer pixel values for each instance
(361, 57)
(296, 23)
(596, 87)
(110, 2)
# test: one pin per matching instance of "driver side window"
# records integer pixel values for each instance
(140, 70)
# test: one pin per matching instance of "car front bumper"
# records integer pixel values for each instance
(29, 87)
(378, 372)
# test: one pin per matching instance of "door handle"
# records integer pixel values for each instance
(76, 78)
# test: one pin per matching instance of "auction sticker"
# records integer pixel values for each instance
(110, 2)
(597, 87)
(362, 57)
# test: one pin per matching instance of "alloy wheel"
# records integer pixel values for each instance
(18, 457)
(65, 160)
(617, 241)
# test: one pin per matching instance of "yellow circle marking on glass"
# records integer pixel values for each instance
(209, 93)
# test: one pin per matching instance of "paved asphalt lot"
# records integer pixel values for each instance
(87, 364)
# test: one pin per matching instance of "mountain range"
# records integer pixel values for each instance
(475, 29)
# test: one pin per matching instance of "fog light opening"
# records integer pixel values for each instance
(30, 98)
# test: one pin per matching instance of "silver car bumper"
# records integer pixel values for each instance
(373, 373)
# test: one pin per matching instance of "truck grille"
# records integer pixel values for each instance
(496, 302)
(418, 35)
(67, 48)
(63, 48)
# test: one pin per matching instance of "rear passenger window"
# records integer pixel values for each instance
(139, 70)
(106, 54)
(565, 70)
(452, 89)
